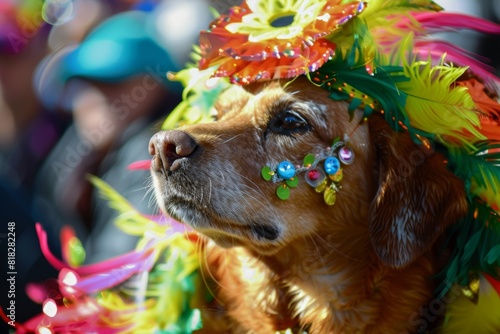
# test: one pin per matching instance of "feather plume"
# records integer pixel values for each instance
(379, 8)
(476, 240)
(390, 22)
(488, 106)
(128, 216)
(480, 170)
(456, 56)
(441, 21)
(435, 105)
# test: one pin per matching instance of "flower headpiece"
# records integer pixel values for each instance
(378, 56)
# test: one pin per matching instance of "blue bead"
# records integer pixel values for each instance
(286, 170)
(332, 165)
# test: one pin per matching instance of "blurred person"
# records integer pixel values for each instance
(27, 134)
(115, 85)
(23, 121)
(28, 129)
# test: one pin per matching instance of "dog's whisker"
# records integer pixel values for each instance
(256, 188)
(149, 187)
(323, 264)
(232, 138)
(335, 249)
(203, 258)
(209, 190)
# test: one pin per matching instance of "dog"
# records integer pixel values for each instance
(363, 265)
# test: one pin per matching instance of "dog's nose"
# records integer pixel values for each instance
(168, 148)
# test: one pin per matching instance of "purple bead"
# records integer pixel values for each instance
(346, 155)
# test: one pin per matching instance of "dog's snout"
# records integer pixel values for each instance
(168, 148)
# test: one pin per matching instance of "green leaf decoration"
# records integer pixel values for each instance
(267, 173)
(283, 192)
(309, 159)
(293, 182)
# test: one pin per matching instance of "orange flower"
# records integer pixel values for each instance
(262, 40)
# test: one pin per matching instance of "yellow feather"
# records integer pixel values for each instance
(464, 317)
(489, 193)
(435, 105)
(129, 219)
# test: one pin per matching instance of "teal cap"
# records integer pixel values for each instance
(125, 45)
(121, 47)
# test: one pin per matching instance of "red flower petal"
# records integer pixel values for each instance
(243, 72)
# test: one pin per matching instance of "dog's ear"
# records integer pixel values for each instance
(417, 197)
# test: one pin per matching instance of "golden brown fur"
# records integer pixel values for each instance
(363, 265)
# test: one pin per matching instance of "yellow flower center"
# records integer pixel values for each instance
(277, 19)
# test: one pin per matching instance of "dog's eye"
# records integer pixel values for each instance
(288, 122)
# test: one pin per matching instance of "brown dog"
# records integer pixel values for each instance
(363, 265)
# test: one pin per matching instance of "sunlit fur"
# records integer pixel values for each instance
(363, 265)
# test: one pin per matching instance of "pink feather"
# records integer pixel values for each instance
(440, 21)
(456, 55)
(140, 165)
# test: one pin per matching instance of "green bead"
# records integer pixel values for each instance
(309, 160)
(267, 173)
(293, 182)
(283, 192)
(330, 196)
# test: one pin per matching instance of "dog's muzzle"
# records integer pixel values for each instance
(168, 148)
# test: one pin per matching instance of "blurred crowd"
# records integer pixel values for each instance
(82, 88)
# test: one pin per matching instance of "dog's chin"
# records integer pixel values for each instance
(263, 237)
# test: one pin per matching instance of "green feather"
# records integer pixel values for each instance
(493, 255)
(381, 86)
(475, 241)
(471, 246)
(480, 169)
